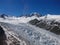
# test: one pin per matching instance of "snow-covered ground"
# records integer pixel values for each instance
(35, 35)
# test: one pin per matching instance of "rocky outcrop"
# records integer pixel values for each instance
(3, 16)
(3, 37)
(51, 26)
(34, 22)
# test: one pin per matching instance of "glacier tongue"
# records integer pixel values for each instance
(35, 35)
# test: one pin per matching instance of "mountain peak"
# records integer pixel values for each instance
(35, 14)
(3, 16)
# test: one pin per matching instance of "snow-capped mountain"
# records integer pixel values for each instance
(36, 14)
(33, 14)
(3, 16)
(19, 31)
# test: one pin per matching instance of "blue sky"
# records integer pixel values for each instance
(20, 7)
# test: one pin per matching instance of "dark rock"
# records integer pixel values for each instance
(2, 37)
(56, 30)
(3, 16)
(34, 22)
(41, 25)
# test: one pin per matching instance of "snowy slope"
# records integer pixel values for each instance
(51, 17)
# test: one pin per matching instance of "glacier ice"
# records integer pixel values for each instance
(34, 35)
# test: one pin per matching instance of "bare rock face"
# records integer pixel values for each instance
(3, 16)
(56, 30)
(2, 37)
(34, 22)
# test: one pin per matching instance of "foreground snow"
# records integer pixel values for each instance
(35, 35)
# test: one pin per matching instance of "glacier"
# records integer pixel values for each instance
(19, 28)
(34, 35)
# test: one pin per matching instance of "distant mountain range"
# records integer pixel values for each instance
(27, 15)
(33, 14)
